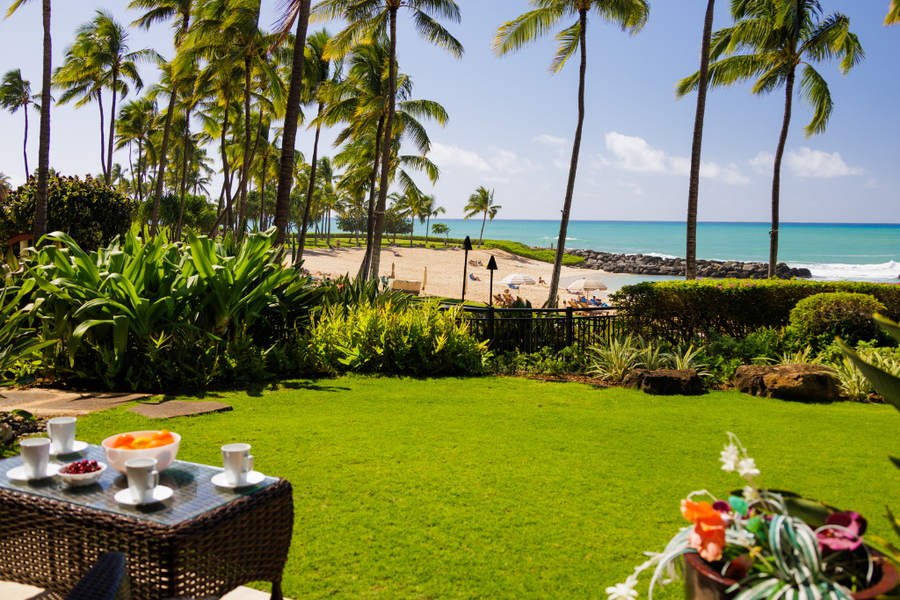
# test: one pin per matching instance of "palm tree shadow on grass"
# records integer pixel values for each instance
(255, 390)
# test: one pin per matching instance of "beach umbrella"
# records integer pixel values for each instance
(586, 285)
(519, 279)
(392, 271)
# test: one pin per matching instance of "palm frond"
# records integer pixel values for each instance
(814, 92)
(569, 40)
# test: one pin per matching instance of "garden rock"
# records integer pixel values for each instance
(803, 382)
(665, 382)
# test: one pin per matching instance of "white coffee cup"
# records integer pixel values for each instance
(142, 479)
(238, 463)
(62, 434)
(35, 456)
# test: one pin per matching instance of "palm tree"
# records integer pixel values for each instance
(294, 10)
(15, 93)
(893, 16)
(134, 125)
(361, 100)
(103, 43)
(40, 195)
(779, 36)
(77, 81)
(157, 12)
(482, 201)
(368, 21)
(690, 268)
(319, 71)
(630, 15)
(430, 209)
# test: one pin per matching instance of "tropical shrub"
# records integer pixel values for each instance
(544, 362)
(199, 214)
(163, 316)
(88, 211)
(612, 360)
(390, 339)
(816, 320)
(679, 310)
(16, 340)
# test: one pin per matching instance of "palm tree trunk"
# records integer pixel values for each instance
(301, 245)
(690, 268)
(573, 166)
(42, 192)
(427, 223)
(245, 169)
(483, 220)
(291, 119)
(226, 166)
(112, 127)
(184, 166)
(161, 167)
(776, 179)
(25, 144)
(370, 222)
(262, 194)
(386, 148)
(140, 183)
(102, 133)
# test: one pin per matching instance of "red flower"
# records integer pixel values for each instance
(708, 535)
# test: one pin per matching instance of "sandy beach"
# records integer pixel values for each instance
(445, 270)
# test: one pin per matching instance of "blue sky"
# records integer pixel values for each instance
(512, 123)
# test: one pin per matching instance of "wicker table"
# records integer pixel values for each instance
(203, 541)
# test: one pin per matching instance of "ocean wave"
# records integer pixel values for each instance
(666, 256)
(877, 272)
(555, 237)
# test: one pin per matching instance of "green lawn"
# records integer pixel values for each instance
(511, 488)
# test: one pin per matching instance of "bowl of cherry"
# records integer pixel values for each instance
(82, 472)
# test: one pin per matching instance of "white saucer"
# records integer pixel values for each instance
(18, 474)
(253, 477)
(76, 447)
(160, 493)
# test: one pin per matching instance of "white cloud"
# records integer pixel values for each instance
(452, 155)
(635, 188)
(806, 162)
(509, 162)
(635, 154)
(550, 140)
(762, 162)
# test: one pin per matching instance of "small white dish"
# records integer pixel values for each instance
(160, 493)
(76, 447)
(253, 477)
(80, 480)
(18, 474)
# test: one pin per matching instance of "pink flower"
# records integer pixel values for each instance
(848, 537)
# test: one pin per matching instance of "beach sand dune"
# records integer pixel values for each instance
(445, 270)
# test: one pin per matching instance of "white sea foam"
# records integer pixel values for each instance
(878, 272)
(666, 256)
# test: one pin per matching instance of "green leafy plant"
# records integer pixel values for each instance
(16, 339)
(652, 356)
(390, 339)
(682, 358)
(90, 212)
(819, 318)
(612, 360)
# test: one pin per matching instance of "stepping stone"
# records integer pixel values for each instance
(177, 408)
(18, 397)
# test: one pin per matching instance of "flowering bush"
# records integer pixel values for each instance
(756, 540)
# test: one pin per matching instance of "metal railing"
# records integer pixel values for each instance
(530, 329)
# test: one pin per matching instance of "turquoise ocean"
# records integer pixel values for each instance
(858, 252)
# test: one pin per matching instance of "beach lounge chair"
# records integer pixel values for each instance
(512, 287)
(473, 278)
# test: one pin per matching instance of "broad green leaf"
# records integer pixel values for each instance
(886, 384)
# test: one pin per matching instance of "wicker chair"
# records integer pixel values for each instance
(107, 580)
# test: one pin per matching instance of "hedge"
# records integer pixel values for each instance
(678, 310)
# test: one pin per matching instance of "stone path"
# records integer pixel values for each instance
(44, 402)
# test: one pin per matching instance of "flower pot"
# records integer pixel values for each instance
(702, 582)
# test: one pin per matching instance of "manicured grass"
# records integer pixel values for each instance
(511, 488)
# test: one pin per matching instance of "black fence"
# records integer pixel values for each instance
(530, 329)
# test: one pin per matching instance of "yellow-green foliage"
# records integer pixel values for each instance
(523, 250)
(391, 339)
(820, 317)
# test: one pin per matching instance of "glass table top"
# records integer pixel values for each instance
(194, 492)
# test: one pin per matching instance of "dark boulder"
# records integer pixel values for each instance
(803, 382)
(665, 382)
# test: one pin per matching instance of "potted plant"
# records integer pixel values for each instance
(765, 544)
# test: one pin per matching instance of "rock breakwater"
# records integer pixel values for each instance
(641, 264)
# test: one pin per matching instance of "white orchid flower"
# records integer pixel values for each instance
(730, 458)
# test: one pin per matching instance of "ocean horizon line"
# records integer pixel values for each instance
(657, 222)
